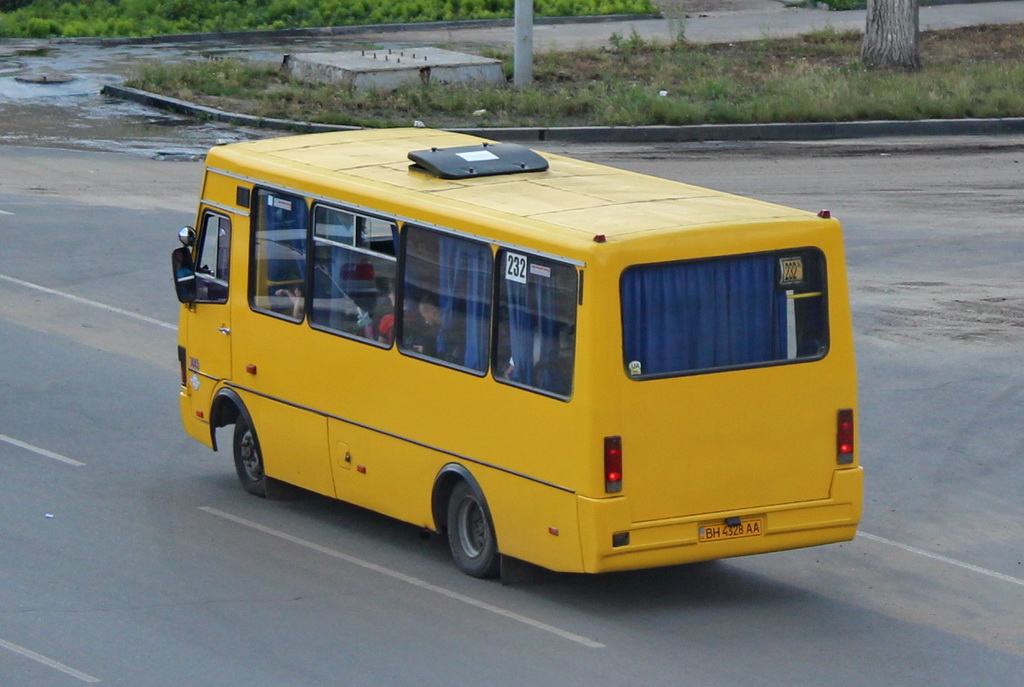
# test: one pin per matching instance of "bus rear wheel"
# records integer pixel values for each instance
(471, 532)
(249, 458)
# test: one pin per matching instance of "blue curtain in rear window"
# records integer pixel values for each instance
(688, 316)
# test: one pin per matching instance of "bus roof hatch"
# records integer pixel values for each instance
(488, 159)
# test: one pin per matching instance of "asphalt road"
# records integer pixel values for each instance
(130, 556)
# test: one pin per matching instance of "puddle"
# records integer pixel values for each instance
(75, 115)
(17, 87)
(34, 52)
(95, 122)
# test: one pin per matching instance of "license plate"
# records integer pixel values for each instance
(748, 528)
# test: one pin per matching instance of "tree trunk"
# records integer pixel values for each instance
(891, 34)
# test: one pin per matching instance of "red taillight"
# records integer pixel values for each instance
(613, 464)
(844, 437)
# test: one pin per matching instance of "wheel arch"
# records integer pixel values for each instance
(445, 481)
(225, 410)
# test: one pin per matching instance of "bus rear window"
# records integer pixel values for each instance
(740, 311)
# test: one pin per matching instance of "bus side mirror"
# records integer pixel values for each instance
(187, 236)
(184, 274)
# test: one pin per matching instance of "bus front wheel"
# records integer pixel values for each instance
(471, 533)
(249, 458)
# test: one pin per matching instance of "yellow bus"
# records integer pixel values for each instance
(546, 359)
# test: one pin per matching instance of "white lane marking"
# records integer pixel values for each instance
(40, 451)
(943, 559)
(49, 662)
(407, 579)
(86, 301)
(4, 212)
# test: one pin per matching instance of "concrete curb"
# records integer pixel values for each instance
(184, 107)
(801, 131)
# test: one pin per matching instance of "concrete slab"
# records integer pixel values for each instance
(44, 76)
(389, 69)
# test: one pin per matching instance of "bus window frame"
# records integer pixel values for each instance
(202, 276)
(316, 240)
(576, 301)
(776, 254)
(255, 215)
(400, 294)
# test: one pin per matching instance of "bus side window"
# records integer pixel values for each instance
(351, 281)
(536, 323)
(212, 260)
(278, 261)
(378, 235)
(446, 313)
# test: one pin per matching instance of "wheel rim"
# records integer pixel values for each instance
(473, 533)
(250, 456)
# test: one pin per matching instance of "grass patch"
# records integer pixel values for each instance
(972, 72)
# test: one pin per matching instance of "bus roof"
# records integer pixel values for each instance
(572, 198)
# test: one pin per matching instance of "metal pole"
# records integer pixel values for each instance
(522, 64)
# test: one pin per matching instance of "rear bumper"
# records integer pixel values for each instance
(674, 541)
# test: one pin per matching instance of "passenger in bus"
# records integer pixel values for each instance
(421, 334)
(298, 303)
(386, 323)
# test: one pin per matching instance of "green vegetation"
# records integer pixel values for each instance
(45, 18)
(849, 4)
(975, 72)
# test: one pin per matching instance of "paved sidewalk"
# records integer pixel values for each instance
(718, 21)
(705, 21)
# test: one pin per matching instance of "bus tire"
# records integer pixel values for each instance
(249, 457)
(471, 532)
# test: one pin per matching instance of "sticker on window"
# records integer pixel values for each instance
(515, 267)
(540, 270)
(792, 271)
(635, 368)
(280, 203)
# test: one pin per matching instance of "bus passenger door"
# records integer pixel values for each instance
(208, 349)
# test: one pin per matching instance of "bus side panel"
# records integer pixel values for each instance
(222, 189)
(532, 521)
(396, 477)
(294, 444)
(382, 473)
(197, 428)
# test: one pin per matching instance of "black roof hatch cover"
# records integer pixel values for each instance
(487, 159)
